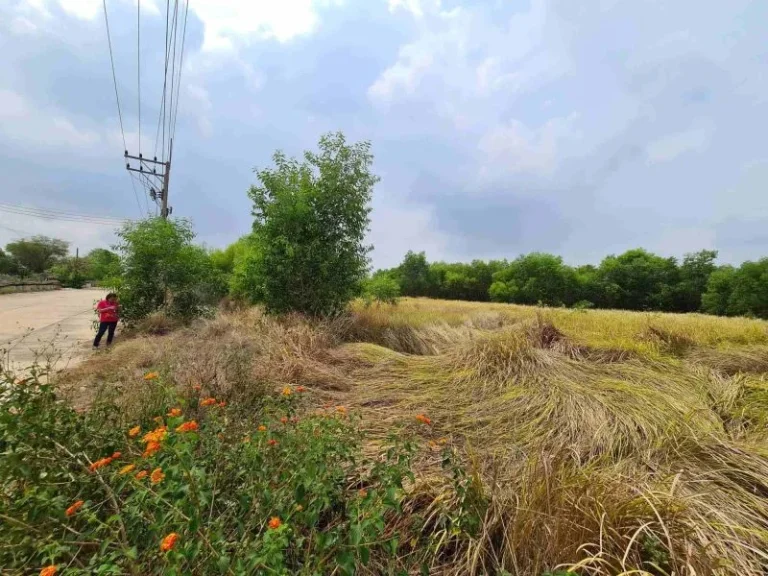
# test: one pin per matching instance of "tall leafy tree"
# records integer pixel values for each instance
(638, 280)
(750, 290)
(717, 296)
(311, 217)
(694, 275)
(38, 253)
(414, 274)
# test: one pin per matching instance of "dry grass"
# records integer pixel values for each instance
(608, 442)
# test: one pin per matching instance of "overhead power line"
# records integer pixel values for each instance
(181, 69)
(117, 98)
(154, 173)
(47, 214)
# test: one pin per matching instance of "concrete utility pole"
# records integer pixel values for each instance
(148, 169)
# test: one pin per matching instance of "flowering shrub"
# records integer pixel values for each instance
(87, 493)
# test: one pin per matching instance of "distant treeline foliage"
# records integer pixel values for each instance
(41, 257)
(635, 280)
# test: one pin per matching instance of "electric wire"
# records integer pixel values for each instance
(117, 98)
(181, 69)
(59, 215)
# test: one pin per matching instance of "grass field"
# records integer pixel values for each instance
(600, 442)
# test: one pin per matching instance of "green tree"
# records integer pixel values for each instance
(588, 286)
(311, 218)
(8, 264)
(413, 274)
(750, 290)
(163, 270)
(458, 281)
(38, 253)
(71, 271)
(694, 275)
(638, 280)
(719, 289)
(103, 265)
(536, 278)
(247, 279)
(224, 260)
(381, 288)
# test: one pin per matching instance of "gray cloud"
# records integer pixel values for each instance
(578, 128)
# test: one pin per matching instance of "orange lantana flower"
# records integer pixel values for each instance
(169, 542)
(287, 391)
(151, 448)
(151, 376)
(157, 435)
(135, 431)
(208, 402)
(190, 426)
(262, 428)
(272, 442)
(116, 455)
(74, 508)
(141, 475)
(127, 469)
(157, 476)
(284, 420)
(341, 409)
(175, 412)
(274, 523)
(423, 419)
(300, 389)
(49, 571)
(100, 463)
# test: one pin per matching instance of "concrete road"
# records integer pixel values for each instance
(56, 324)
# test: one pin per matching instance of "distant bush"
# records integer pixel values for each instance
(381, 289)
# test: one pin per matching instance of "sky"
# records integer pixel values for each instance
(499, 128)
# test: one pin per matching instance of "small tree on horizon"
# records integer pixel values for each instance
(311, 218)
(37, 254)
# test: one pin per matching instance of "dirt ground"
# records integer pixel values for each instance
(55, 324)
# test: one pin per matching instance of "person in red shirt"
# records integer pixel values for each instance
(108, 310)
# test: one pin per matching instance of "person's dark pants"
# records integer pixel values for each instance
(108, 327)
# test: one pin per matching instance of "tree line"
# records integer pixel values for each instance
(41, 257)
(634, 280)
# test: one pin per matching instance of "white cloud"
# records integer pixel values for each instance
(415, 228)
(86, 9)
(514, 148)
(48, 129)
(229, 22)
(673, 145)
(416, 7)
(467, 54)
